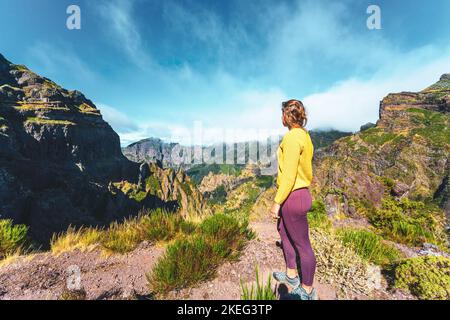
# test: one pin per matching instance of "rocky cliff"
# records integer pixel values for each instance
(59, 160)
(404, 156)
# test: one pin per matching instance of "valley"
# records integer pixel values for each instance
(140, 225)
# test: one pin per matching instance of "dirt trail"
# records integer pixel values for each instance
(261, 252)
(44, 276)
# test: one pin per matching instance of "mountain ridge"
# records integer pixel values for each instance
(60, 161)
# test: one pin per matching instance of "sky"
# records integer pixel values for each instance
(160, 68)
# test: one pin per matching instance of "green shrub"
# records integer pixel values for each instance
(317, 216)
(195, 258)
(185, 263)
(426, 277)
(369, 246)
(264, 182)
(218, 196)
(155, 225)
(163, 226)
(259, 291)
(409, 222)
(122, 238)
(221, 227)
(12, 237)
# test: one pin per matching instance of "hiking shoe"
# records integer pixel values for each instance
(282, 277)
(300, 293)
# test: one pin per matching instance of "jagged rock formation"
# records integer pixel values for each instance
(174, 188)
(405, 155)
(58, 158)
(152, 150)
(212, 181)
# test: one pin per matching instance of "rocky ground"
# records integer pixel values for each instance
(261, 253)
(44, 276)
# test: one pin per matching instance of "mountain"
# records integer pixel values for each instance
(376, 173)
(174, 155)
(61, 163)
(151, 150)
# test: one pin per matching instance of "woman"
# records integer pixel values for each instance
(293, 201)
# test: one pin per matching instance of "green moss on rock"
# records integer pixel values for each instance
(409, 222)
(426, 277)
(42, 121)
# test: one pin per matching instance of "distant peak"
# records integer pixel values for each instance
(442, 84)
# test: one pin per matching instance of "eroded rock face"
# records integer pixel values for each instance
(164, 188)
(405, 155)
(57, 155)
(59, 159)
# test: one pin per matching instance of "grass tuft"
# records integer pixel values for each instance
(258, 291)
(151, 226)
(12, 238)
(195, 258)
(369, 246)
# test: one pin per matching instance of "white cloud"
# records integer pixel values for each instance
(118, 120)
(303, 45)
(118, 17)
(354, 102)
(54, 59)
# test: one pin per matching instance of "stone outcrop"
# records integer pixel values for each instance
(59, 160)
(405, 155)
(168, 188)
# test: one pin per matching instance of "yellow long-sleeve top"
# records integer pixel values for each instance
(294, 163)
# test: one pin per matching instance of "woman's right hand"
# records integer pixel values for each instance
(275, 211)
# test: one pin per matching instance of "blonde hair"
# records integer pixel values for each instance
(294, 114)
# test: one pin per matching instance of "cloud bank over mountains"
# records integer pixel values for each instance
(157, 68)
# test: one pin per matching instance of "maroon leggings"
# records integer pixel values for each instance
(294, 232)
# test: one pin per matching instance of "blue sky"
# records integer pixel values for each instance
(155, 67)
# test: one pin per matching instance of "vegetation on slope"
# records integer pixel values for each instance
(322, 139)
(198, 172)
(195, 258)
(42, 121)
(369, 246)
(409, 222)
(152, 226)
(12, 238)
(431, 125)
(426, 277)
